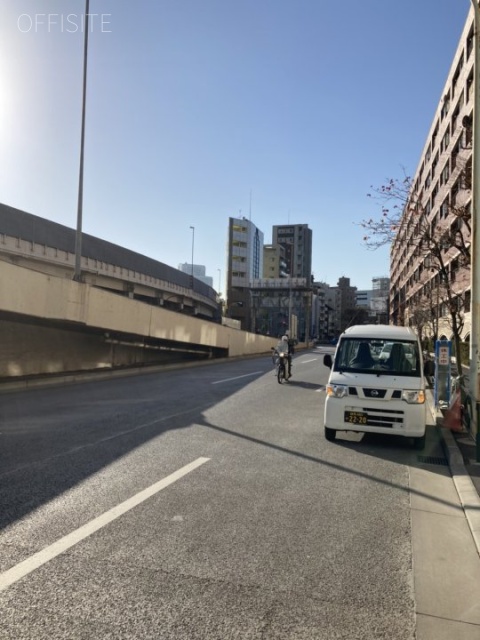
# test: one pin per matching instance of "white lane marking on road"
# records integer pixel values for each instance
(9, 577)
(305, 361)
(245, 375)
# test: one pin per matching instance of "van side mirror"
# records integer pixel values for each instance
(327, 360)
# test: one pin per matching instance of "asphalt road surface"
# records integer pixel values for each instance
(202, 502)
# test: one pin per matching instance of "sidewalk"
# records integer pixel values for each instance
(460, 452)
(445, 522)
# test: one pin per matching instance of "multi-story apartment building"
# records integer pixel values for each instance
(274, 263)
(297, 241)
(323, 309)
(346, 301)
(332, 322)
(437, 209)
(244, 264)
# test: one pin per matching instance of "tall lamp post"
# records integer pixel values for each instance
(78, 235)
(193, 247)
(475, 243)
(219, 282)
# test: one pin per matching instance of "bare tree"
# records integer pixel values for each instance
(438, 245)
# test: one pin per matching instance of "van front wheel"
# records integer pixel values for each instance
(330, 434)
(419, 443)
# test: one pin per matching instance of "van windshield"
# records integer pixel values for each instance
(371, 355)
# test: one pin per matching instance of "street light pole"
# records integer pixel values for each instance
(193, 246)
(475, 242)
(290, 309)
(78, 235)
(219, 281)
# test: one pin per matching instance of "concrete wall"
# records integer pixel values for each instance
(61, 325)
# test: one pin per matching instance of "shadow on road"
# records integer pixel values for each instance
(53, 439)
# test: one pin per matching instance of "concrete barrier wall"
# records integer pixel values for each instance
(65, 325)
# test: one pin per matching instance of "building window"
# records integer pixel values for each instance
(467, 298)
(445, 141)
(434, 138)
(454, 193)
(456, 75)
(470, 42)
(444, 176)
(456, 112)
(444, 208)
(469, 132)
(445, 106)
(466, 175)
(469, 85)
(455, 152)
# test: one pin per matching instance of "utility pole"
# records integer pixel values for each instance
(78, 235)
(193, 247)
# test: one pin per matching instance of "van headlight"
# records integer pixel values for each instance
(413, 397)
(337, 390)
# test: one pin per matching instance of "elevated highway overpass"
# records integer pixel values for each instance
(116, 317)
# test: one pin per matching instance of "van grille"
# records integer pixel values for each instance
(374, 393)
(386, 418)
(376, 416)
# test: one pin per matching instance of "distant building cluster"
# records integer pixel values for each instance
(270, 287)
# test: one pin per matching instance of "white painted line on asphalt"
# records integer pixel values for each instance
(245, 375)
(7, 578)
(305, 361)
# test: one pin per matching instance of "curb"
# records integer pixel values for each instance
(467, 493)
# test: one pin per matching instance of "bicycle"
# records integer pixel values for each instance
(280, 360)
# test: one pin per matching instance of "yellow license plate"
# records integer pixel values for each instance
(355, 417)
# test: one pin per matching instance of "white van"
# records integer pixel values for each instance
(369, 393)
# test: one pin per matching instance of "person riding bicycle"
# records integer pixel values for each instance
(291, 344)
(284, 347)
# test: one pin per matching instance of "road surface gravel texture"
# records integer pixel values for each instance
(272, 534)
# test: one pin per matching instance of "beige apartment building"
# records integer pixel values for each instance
(438, 210)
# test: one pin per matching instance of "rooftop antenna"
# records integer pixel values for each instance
(250, 210)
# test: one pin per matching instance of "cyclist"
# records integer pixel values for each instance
(284, 347)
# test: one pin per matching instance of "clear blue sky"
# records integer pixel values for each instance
(195, 108)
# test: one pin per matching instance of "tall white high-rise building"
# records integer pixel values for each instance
(244, 264)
